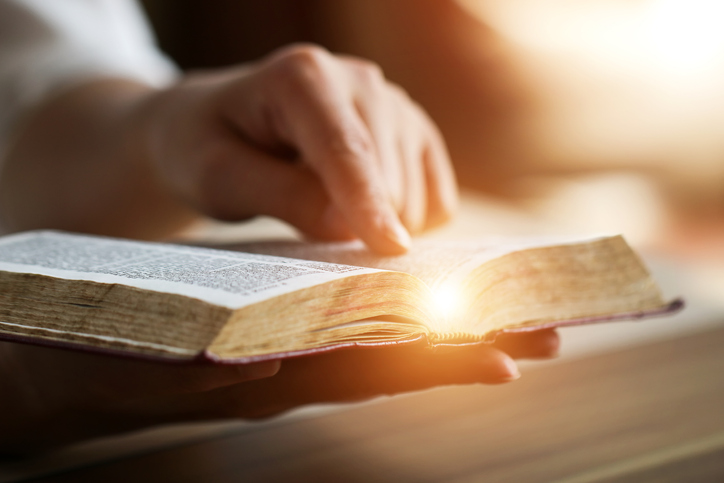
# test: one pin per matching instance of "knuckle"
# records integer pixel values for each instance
(355, 148)
(358, 189)
(303, 52)
(299, 70)
(413, 108)
(399, 91)
(302, 61)
(369, 72)
(418, 112)
(402, 97)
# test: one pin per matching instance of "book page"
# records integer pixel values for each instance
(435, 262)
(444, 266)
(222, 278)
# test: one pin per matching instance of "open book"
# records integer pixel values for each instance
(279, 299)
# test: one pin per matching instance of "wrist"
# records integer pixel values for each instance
(133, 200)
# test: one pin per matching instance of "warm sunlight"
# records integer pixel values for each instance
(685, 35)
(447, 301)
(622, 83)
(670, 38)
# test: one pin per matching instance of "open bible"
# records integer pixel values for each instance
(275, 300)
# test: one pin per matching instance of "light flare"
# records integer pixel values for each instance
(636, 82)
(447, 300)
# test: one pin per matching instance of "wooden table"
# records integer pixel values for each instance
(644, 414)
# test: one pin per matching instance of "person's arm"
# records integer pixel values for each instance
(78, 165)
(323, 142)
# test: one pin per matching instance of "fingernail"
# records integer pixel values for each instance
(395, 232)
(512, 372)
(259, 370)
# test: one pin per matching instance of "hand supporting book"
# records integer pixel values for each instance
(53, 397)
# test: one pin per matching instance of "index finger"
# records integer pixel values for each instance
(321, 121)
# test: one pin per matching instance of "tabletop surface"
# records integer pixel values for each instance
(654, 412)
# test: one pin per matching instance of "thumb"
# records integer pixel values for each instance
(244, 181)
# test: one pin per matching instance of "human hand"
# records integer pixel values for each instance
(361, 374)
(321, 141)
(53, 396)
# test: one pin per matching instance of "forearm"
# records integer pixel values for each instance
(79, 163)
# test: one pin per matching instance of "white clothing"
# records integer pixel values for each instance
(46, 45)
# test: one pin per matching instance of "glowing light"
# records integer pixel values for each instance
(447, 301)
(661, 36)
(621, 82)
(685, 34)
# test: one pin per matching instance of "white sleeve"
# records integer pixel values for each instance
(49, 44)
